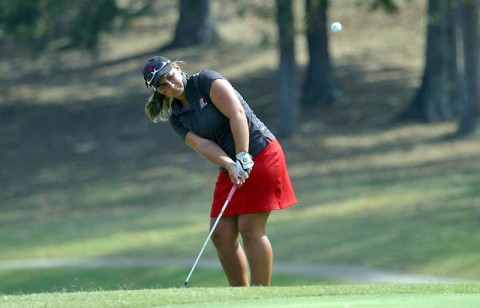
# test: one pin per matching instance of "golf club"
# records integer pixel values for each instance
(210, 234)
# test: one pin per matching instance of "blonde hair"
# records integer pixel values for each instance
(158, 107)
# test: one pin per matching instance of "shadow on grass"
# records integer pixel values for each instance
(74, 139)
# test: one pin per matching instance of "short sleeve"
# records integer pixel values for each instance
(178, 127)
(206, 79)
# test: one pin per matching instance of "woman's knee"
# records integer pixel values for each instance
(249, 234)
(253, 225)
(220, 239)
(225, 234)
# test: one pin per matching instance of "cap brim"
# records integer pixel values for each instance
(167, 68)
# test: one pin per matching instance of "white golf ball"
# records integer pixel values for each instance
(336, 27)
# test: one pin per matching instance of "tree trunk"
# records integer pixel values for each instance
(470, 119)
(436, 98)
(287, 110)
(318, 86)
(195, 25)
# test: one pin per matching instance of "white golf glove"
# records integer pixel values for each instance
(244, 164)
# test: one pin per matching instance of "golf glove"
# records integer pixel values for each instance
(244, 164)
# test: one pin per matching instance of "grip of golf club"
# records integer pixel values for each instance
(229, 197)
(231, 192)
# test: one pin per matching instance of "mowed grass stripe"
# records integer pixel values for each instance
(425, 295)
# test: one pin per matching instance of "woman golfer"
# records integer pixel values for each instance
(212, 118)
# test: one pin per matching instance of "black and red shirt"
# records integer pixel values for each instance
(204, 119)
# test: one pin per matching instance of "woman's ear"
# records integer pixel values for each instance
(176, 66)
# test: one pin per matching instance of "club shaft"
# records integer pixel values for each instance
(210, 233)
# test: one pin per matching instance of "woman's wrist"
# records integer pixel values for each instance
(230, 163)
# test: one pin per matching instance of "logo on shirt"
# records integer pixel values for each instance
(202, 103)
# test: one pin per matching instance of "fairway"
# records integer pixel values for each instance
(370, 300)
(366, 295)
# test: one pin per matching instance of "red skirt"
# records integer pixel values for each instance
(267, 188)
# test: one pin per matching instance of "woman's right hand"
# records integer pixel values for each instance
(233, 173)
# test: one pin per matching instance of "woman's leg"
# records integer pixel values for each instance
(257, 246)
(229, 251)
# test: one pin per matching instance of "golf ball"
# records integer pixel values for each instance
(336, 27)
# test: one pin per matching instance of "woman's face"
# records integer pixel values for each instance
(171, 83)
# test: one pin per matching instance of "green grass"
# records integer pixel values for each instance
(67, 279)
(390, 209)
(456, 295)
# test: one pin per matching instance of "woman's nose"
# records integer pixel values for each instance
(167, 85)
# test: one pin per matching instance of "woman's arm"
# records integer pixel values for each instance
(225, 99)
(211, 151)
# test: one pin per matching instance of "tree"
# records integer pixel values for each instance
(319, 83)
(287, 111)
(436, 100)
(195, 25)
(38, 24)
(470, 118)
(319, 86)
(77, 24)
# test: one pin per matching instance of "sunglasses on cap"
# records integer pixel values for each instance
(151, 75)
